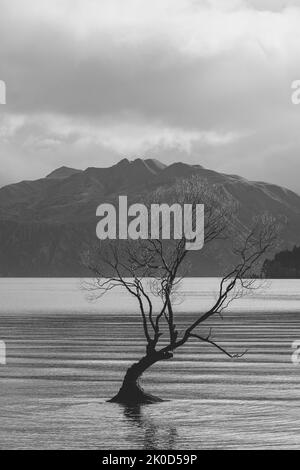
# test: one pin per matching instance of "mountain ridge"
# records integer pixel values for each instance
(45, 223)
(174, 168)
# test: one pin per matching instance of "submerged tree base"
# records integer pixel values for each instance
(131, 393)
(134, 395)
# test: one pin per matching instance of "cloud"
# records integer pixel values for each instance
(207, 80)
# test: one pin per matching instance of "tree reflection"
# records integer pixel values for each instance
(154, 434)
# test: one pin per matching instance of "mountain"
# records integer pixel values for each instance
(45, 224)
(62, 173)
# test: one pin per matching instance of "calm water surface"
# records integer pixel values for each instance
(66, 356)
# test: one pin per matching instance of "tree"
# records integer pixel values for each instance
(285, 264)
(164, 264)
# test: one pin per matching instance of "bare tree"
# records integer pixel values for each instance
(165, 264)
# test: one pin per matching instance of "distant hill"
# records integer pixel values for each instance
(45, 224)
(62, 172)
(285, 264)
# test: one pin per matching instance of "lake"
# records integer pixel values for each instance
(66, 356)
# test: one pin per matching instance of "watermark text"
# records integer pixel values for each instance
(2, 353)
(296, 92)
(296, 353)
(160, 221)
(2, 92)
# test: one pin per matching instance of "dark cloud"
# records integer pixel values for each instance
(89, 81)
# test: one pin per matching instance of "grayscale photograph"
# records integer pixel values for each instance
(149, 227)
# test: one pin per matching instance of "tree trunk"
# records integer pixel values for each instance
(131, 393)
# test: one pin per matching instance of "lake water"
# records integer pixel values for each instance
(66, 357)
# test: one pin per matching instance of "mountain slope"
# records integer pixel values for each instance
(62, 173)
(45, 224)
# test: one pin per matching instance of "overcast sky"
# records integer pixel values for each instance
(201, 81)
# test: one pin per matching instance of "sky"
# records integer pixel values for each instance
(201, 81)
